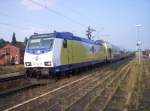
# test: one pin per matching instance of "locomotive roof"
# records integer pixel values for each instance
(65, 35)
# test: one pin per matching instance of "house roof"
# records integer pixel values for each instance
(19, 45)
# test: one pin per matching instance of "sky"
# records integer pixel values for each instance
(114, 20)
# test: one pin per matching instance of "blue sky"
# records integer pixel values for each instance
(114, 20)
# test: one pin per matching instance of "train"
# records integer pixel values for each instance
(51, 53)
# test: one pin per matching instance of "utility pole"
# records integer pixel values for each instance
(89, 32)
(139, 43)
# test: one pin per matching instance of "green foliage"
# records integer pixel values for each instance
(3, 42)
(25, 40)
(11, 69)
(19, 44)
(14, 41)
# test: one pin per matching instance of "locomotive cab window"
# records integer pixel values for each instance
(40, 43)
(65, 43)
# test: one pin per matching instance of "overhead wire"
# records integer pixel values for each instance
(57, 13)
(12, 25)
(77, 12)
(12, 17)
(98, 31)
(50, 10)
(9, 24)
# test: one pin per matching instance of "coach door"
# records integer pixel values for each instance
(70, 51)
(110, 53)
(66, 52)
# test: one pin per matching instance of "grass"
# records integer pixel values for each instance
(136, 86)
(132, 85)
(11, 69)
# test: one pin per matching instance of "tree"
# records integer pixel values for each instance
(25, 40)
(2, 42)
(14, 41)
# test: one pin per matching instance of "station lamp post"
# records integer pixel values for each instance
(139, 43)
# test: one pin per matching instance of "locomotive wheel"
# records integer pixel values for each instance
(28, 73)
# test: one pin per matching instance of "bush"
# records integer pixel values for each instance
(11, 69)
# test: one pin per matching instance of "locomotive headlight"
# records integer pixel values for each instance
(28, 63)
(47, 63)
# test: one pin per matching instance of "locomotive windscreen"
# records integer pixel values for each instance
(40, 43)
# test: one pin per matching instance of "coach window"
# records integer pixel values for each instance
(65, 43)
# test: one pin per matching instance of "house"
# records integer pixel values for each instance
(11, 54)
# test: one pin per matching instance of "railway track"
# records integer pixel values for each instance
(127, 92)
(58, 95)
(12, 76)
(12, 90)
(68, 97)
(103, 80)
(118, 96)
(31, 93)
(85, 102)
(14, 82)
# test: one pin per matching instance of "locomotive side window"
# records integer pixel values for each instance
(65, 43)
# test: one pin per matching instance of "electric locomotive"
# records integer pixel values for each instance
(62, 51)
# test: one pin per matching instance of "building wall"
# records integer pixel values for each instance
(9, 54)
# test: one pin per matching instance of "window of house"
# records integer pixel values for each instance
(4, 51)
(7, 50)
(16, 58)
